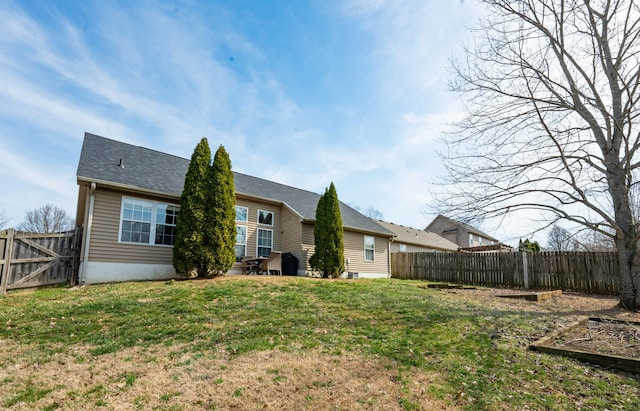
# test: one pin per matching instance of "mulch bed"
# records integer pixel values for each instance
(607, 342)
(595, 328)
(605, 336)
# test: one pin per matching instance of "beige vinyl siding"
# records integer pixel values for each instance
(354, 251)
(291, 234)
(252, 225)
(104, 245)
(308, 246)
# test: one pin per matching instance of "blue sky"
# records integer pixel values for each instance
(298, 92)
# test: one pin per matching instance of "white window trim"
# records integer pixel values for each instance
(258, 239)
(273, 217)
(365, 249)
(246, 234)
(246, 209)
(154, 214)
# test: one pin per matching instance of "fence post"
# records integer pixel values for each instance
(8, 250)
(525, 269)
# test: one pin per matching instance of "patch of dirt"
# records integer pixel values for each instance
(166, 378)
(604, 337)
(572, 304)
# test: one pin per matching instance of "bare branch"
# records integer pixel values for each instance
(46, 219)
(3, 219)
(551, 91)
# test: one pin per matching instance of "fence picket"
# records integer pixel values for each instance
(591, 272)
(35, 259)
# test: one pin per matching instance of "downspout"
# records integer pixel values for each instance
(87, 235)
(389, 255)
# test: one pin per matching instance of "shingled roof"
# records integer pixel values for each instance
(111, 162)
(455, 224)
(418, 237)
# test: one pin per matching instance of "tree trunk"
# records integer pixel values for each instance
(626, 240)
(629, 261)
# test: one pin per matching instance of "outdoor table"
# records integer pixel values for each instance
(252, 265)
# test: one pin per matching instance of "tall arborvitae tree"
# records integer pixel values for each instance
(190, 250)
(221, 214)
(328, 236)
(316, 261)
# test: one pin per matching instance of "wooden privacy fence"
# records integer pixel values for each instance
(34, 259)
(590, 272)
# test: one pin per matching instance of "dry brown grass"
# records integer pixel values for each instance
(383, 346)
(159, 378)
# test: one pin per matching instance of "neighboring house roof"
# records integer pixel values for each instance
(414, 236)
(486, 248)
(455, 225)
(154, 172)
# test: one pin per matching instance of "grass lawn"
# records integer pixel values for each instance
(293, 343)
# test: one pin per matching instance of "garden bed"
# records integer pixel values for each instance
(610, 343)
(539, 296)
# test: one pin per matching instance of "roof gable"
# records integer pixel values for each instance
(108, 161)
(465, 227)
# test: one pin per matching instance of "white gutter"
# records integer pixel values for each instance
(128, 187)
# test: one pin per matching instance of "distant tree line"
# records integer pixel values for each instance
(47, 218)
(561, 239)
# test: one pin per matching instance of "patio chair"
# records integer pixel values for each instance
(273, 263)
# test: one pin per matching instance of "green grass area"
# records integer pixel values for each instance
(480, 352)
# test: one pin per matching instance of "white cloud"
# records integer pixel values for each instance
(28, 184)
(163, 78)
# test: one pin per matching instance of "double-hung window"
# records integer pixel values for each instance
(265, 242)
(369, 248)
(242, 216)
(166, 215)
(241, 242)
(265, 236)
(147, 222)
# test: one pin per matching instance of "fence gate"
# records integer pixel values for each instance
(34, 259)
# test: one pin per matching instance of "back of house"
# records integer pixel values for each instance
(129, 197)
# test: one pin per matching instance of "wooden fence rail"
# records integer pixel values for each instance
(34, 259)
(590, 272)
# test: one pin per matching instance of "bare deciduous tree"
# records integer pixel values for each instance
(374, 213)
(590, 240)
(3, 219)
(552, 93)
(370, 212)
(46, 219)
(560, 239)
